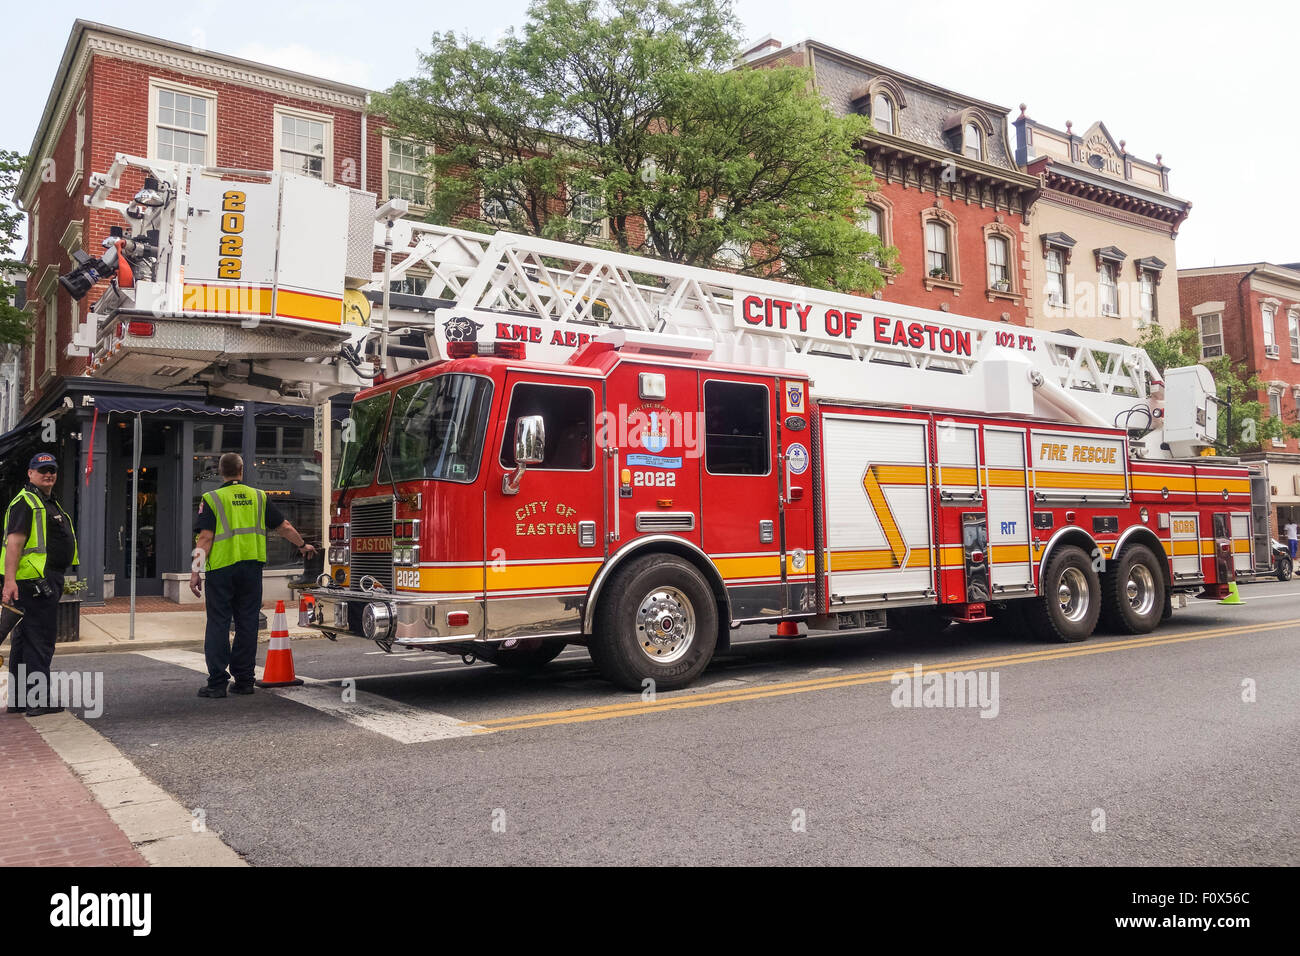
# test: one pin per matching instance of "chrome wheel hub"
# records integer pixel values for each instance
(1073, 595)
(1140, 589)
(665, 625)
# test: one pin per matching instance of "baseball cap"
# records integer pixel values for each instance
(43, 460)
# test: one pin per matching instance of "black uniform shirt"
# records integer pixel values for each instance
(206, 520)
(59, 543)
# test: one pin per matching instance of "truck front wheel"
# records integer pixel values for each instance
(657, 621)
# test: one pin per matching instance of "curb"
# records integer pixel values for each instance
(126, 647)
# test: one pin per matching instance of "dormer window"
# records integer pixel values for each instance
(882, 113)
(972, 142)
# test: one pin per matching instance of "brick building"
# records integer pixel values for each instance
(1251, 313)
(951, 198)
(117, 91)
(1101, 233)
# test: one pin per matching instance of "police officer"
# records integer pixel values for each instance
(232, 523)
(39, 546)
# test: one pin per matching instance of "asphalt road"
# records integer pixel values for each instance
(1120, 750)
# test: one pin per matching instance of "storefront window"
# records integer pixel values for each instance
(285, 468)
(210, 443)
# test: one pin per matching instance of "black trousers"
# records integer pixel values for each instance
(234, 594)
(33, 640)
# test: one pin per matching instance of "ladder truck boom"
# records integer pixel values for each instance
(288, 318)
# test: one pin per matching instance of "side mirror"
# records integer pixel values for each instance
(530, 449)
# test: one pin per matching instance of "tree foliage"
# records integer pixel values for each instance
(15, 327)
(630, 111)
(1239, 387)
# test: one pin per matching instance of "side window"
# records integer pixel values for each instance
(736, 429)
(568, 414)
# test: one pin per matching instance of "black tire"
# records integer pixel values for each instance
(1133, 595)
(918, 621)
(527, 657)
(1284, 569)
(1065, 621)
(629, 649)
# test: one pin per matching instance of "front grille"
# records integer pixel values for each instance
(372, 519)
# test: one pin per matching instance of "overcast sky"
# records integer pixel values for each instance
(1199, 82)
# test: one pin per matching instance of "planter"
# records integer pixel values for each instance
(68, 620)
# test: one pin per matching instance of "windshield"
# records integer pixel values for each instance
(438, 428)
(362, 437)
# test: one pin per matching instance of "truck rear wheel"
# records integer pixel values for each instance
(526, 657)
(1069, 600)
(1133, 599)
(657, 621)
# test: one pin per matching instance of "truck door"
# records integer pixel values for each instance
(741, 492)
(545, 543)
(1010, 562)
(799, 471)
(963, 521)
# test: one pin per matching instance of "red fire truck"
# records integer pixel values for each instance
(562, 444)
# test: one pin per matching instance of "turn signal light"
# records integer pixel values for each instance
(142, 329)
(458, 618)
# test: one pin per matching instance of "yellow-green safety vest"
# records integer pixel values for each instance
(241, 525)
(32, 564)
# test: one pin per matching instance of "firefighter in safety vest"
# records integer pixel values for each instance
(39, 546)
(232, 523)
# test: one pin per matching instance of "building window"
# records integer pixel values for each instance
(999, 273)
(79, 145)
(1275, 411)
(51, 331)
(1211, 327)
(1147, 296)
(405, 173)
(34, 240)
(1268, 313)
(304, 143)
(184, 124)
(936, 250)
(1109, 289)
(882, 113)
(1055, 277)
(413, 283)
(588, 210)
(1293, 332)
(973, 142)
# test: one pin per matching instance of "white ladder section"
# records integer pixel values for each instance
(556, 295)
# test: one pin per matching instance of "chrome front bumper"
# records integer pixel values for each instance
(415, 621)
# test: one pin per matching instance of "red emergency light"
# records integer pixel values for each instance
(505, 350)
(142, 329)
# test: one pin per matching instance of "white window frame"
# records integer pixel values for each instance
(427, 174)
(51, 303)
(327, 119)
(79, 145)
(1047, 288)
(966, 144)
(1268, 316)
(1200, 328)
(1275, 398)
(1293, 333)
(1108, 270)
(210, 142)
(1146, 276)
(596, 228)
(1002, 242)
(34, 240)
(889, 110)
(943, 229)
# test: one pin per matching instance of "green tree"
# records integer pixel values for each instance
(630, 111)
(1238, 387)
(15, 324)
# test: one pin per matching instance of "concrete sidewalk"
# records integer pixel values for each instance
(156, 629)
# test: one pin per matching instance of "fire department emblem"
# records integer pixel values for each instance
(461, 329)
(793, 398)
(654, 437)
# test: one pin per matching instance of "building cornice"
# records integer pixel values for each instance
(962, 164)
(1108, 212)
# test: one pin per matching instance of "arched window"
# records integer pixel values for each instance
(973, 142)
(999, 257)
(871, 222)
(882, 113)
(936, 249)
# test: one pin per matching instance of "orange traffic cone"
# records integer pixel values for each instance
(306, 604)
(787, 629)
(279, 657)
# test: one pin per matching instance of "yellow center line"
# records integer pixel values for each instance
(786, 688)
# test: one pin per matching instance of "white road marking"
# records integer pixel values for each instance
(380, 715)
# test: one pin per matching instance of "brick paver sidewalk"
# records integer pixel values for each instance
(47, 816)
